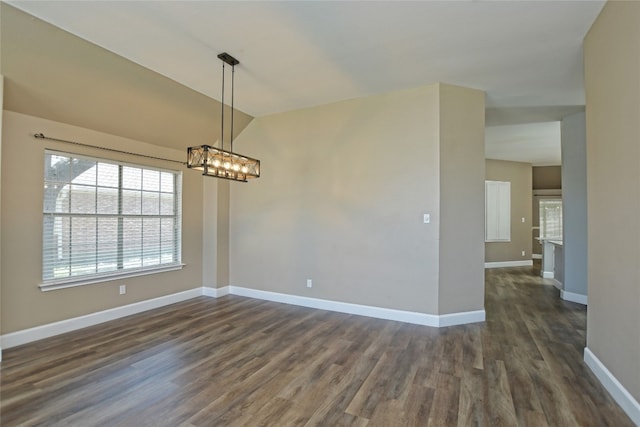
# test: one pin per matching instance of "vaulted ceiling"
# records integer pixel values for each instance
(526, 55)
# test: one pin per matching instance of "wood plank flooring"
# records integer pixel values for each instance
(235, 361)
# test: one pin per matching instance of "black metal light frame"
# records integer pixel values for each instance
(218, 162)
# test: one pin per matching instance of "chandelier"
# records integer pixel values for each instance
(218, 162)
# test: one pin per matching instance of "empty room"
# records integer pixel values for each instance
(367, 213)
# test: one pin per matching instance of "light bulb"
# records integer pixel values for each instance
(216, 163)
(227, 165)
(236, 167)
(245, 169)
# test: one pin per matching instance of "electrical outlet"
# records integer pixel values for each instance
(522, 219)
(123, 289)
(523, 253)
(309, 283)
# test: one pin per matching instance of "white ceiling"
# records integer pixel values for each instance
(526, 55)
(536, 143)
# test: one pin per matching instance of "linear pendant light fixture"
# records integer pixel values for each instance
(218, 162)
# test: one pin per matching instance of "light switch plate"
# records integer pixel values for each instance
(426, 218)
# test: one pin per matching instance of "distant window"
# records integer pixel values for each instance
(551, 219)
(497, 211)
(104, 218)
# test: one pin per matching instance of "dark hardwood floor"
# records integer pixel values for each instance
(244, 362)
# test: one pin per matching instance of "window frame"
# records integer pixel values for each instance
(120, 272)
(543, 223)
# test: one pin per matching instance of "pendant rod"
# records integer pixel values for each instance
(233, 85)
(230, 60)
(222, 112)
(40, 135)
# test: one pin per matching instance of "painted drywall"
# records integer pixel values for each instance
(1, 117)
(547, 177)
(341, 200)
(462, 171)
(55, 75)
(574, 203)
(215, 229)
(210, 233)
(612, 84)
(519, 175)
(24, 305)
(222, 224)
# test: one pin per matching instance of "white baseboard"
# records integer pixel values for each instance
(573, 297)
(557, 284)
(215, 292)
(501, 264)
(547, 274)
(536, 256)
(364, 310)
(461, 318)
(620, 394)
(25, 336)
(14, 339)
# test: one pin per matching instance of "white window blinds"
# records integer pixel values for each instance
(551, 219)
(103, 218)
(497, 211)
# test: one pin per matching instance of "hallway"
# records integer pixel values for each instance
(542, 350)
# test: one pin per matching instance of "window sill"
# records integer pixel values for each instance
(72, 283)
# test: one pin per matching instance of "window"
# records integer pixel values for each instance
(104, 219)
(497, 211)
(551, 219)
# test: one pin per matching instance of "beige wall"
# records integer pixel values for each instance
(215, 229)
(210, 232)
(341, 200)
(23, 304)
(1, 117)
(519, 175)
(547, 177)
(222, 213)
(462, 170)
(612, 81)
(55, 75)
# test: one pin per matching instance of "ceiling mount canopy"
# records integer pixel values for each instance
(218, 162)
